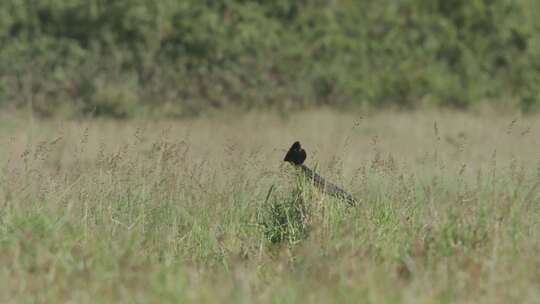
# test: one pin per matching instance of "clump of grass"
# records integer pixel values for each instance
(285, 217)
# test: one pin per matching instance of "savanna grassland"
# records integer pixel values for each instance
(204, 210)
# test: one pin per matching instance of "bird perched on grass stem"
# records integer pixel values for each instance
(296, 156)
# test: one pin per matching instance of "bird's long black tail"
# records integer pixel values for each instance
(327, 187)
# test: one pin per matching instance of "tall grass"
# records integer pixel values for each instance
(167, 211)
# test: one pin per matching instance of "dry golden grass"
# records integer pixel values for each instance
(170, 211)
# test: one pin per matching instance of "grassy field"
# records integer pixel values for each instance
(181, 211)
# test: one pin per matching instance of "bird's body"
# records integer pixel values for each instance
(296, 156)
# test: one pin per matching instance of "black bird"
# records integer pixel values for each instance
(296, 156)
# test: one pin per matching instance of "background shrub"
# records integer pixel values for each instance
(181, 58)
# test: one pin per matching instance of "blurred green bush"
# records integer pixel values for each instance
(128, 57)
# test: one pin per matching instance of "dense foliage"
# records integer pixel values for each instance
(127, 57)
